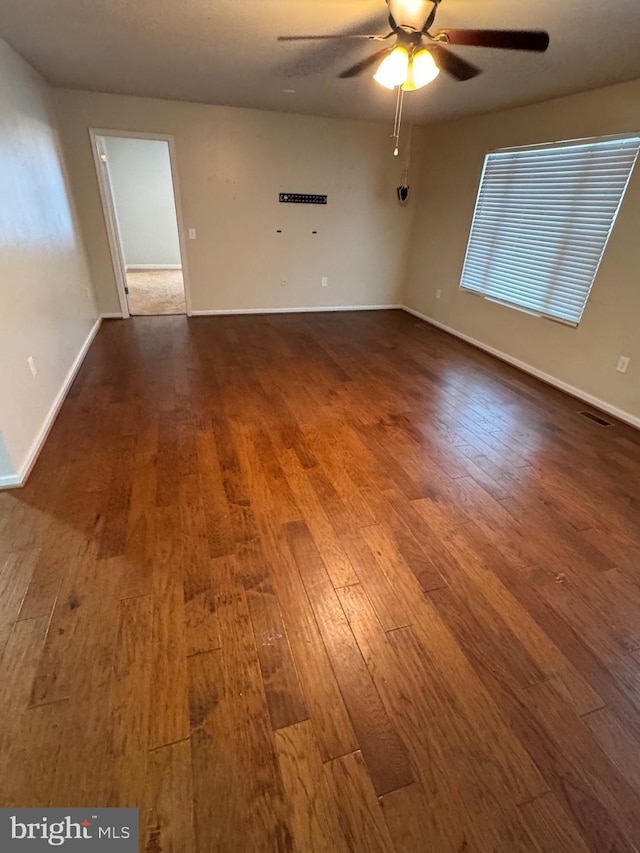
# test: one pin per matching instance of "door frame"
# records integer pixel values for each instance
(109, 210)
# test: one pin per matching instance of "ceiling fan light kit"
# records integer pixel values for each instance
(412, 72)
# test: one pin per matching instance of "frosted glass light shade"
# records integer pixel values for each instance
(393, 69)
(422, 70)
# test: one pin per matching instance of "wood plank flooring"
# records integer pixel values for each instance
(324, 583)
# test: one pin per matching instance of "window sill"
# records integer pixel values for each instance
(521, 308)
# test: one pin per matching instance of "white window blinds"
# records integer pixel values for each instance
(542, 220)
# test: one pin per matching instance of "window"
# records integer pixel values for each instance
(542, 221)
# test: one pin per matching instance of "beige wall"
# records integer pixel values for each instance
(47, 309)
(452, 155)
(232, 163)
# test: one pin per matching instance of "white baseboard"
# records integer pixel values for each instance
(11, 481)
(153, 267)
(318, 308)
(621, 415)
(113, 315)
(24, 470)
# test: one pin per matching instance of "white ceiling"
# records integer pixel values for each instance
(225, 51)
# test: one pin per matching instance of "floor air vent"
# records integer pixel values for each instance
(596, 419)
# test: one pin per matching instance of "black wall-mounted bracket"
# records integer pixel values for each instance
(302, 198)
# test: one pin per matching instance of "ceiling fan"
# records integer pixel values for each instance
(417, 55)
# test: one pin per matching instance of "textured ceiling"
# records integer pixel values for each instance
(225, 51)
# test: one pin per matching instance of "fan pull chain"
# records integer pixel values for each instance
(397, 122)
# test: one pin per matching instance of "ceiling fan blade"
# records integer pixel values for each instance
(330, 38)
(364, 64)
(307, 58)
(453, 65)
(536, 40)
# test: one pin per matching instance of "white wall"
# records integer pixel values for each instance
(140, 176)
(452, 154)
(232, 163)
(47, 308)
(7, 470)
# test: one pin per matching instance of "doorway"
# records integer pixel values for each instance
(138, 186)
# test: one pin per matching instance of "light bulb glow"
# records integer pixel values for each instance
(411, 13)
(422, 70)
(393, 69)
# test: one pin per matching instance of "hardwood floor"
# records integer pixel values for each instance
(324, 583)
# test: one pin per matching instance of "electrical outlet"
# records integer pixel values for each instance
(283, 282)
(623, 363)
(192, 233)
(438, 294)
(32, 366)
(325, 281)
